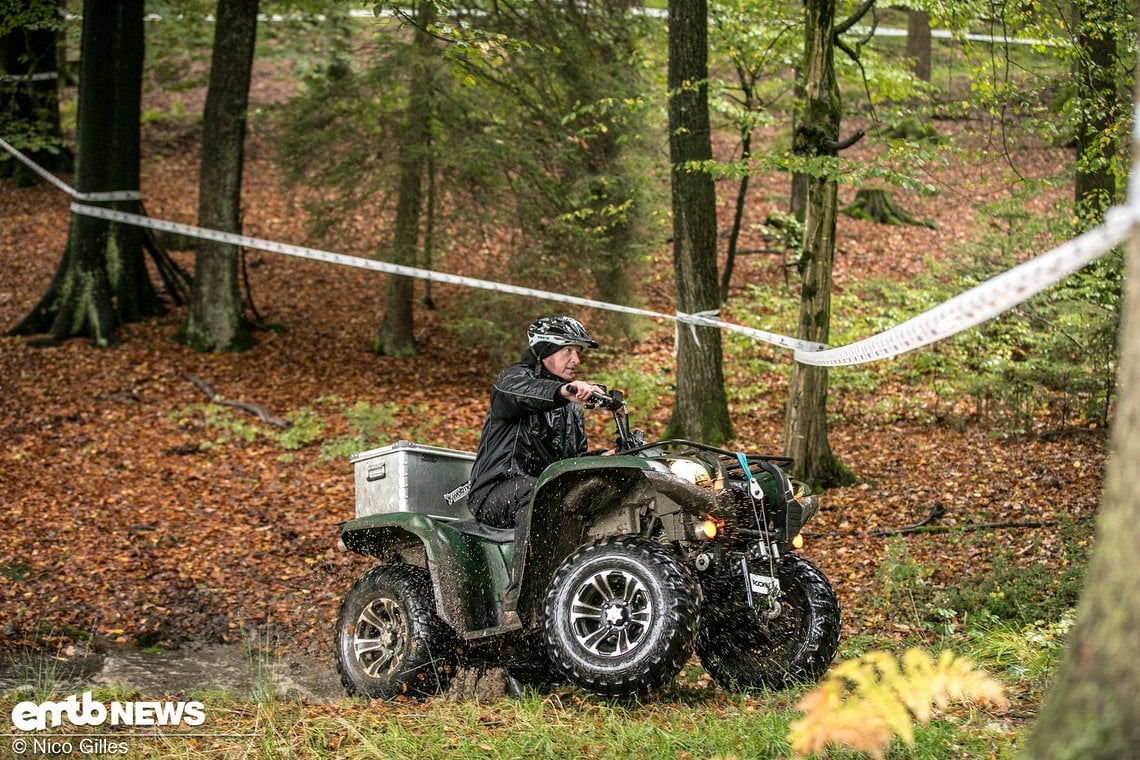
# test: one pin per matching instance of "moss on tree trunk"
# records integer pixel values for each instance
(805, 426)
(102, 279)
(877, 204)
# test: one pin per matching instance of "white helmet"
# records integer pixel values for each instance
(559, 331)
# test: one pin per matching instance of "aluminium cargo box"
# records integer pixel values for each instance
(407, 477)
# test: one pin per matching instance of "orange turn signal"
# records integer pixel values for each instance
(711, 527)
(798, 541)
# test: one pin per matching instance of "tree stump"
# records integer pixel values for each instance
(877, 204)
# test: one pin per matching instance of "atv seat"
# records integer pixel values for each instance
(484, 531)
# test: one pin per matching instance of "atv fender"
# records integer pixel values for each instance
(580, 499)
(469, 574)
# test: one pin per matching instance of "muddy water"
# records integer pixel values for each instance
(230, 667)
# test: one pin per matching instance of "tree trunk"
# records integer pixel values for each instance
(134, 294)
(918, 43)
(877, 204)
(395, 336)
(701, 408)
(215, 321)
(1092, 711)
(805, 426)
(797, 202)
(1095, 185)
(99, 283)
(741, 198)
(610, 263)
(29, 98)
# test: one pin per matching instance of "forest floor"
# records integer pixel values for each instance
(131, 517)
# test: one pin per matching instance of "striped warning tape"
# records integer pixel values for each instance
(984, 301)
(966, 310)
(113, 195)
(697, 320)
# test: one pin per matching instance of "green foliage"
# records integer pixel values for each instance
(305, 427)
(372, 426)
(1049, 363)
(994, 587)
(28, 14)
(645, 390)
(903, 584)
(493, 323)
(178, 44)
(537, 137)
(227, 426)
(1054, 355)
(1006, 590)
(1028, 651)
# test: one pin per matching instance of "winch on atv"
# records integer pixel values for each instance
(631, 563)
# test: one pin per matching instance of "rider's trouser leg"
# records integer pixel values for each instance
(508, 505)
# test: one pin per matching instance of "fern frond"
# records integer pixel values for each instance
(865, 703)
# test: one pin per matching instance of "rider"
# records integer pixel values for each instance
(535, 419)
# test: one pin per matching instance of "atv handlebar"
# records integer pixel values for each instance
(613, 401)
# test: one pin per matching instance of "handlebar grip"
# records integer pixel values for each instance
(596, 398)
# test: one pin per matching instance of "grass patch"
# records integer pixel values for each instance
(563, 725)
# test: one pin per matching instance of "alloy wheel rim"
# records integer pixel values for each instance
(611, 612)
(379, 637)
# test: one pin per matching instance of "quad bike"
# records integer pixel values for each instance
(630, 563)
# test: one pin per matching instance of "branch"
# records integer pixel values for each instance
(967, 526)
(935, 512)
(260, 411)
(855, 17)
(834, 146)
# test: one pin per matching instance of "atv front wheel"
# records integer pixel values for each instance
(389, 640)
(743, 652)
(621, 616)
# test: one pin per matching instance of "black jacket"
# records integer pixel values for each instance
(528, 427)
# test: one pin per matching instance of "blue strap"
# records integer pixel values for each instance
(753, 484)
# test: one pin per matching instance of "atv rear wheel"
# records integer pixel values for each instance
(389, 640)
(621, 616)
(744, 654)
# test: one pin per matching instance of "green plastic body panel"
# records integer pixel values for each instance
(469, 574)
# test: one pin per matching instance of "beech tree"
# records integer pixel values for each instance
(701, 407)
(395, 337)
(1092, 711)
(918, 47)
(102, 281)
(817, 137)
(1100, 29)
(215, 321)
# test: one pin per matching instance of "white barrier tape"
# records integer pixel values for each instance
(406, 271)
(41, 76)
(110, 195)
(702, 315)
(985, 301)
(966, 310)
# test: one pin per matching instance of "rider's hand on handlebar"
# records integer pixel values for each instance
(581, 391)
